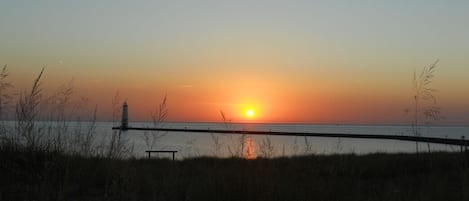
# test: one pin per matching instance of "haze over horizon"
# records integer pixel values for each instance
(284, 61)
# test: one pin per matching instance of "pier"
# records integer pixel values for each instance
(448, 141)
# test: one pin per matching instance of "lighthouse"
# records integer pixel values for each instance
(125, 116)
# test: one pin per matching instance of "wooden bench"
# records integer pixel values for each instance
(161, 151)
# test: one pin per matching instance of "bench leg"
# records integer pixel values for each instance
(173, 156)
(149, 155)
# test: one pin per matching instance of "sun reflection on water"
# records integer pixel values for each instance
(250, 151)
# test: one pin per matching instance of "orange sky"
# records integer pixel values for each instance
(309, 61)
(273, 98)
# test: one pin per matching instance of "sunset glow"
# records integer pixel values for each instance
(250, 113)
(308, 61)
(250, 152)
(234, 100)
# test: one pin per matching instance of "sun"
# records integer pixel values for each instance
(250, 113)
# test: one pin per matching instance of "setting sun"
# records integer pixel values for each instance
(250, 113)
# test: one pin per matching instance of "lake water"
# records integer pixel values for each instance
(224, 145)
(202, 144)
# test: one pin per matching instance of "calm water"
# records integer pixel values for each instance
(201, 144)
(204, 144)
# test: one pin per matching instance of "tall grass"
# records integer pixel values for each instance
(237, 146)
(44, 123)
(217, 143)
(5, 85)
(266, 148)
(57, 116)
(84, 136)
(424, 110)
(308, 147)
(5, 101)
(27, 113)
(158, 117)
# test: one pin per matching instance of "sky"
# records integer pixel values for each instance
(287, 61)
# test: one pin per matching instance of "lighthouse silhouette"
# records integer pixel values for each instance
(125, 116)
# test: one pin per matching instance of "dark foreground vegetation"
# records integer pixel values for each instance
(43, 175)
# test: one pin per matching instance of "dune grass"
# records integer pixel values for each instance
(44, 175)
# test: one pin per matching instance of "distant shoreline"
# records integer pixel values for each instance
(267, 123)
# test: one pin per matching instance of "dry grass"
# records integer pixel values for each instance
(53, 176)
(42, 123)
(424, 110)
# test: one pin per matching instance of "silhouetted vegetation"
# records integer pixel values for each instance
(158, 116)
(43, 122)
(43, 175)
(424, 109)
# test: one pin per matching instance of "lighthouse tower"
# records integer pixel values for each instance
(125, 116)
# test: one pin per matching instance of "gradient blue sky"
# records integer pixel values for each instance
(293, 61)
